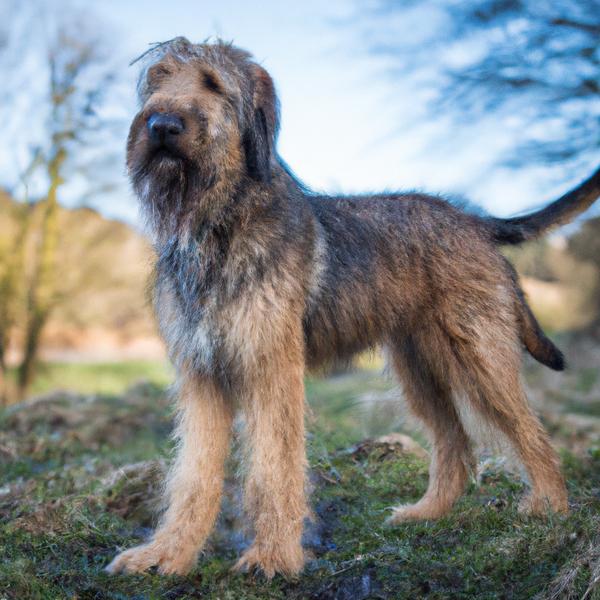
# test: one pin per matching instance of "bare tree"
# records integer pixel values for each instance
(534, 62)
(71, 80)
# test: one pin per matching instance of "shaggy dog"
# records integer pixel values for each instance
(258, 279)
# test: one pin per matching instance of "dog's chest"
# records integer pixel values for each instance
(186, 294)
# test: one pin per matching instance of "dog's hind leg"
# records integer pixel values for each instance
(429, 396)
(194, 486)
(491, 373)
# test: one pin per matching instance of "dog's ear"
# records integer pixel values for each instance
(261, 130)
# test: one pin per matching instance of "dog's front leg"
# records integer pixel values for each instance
(275, 485)
(194, 486)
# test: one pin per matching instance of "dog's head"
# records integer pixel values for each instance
(208, 114)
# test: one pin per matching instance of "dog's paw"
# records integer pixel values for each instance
(287, 562)
(421, 511)
(168, 558)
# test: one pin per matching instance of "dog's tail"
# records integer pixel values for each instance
(520, 229)
(535, 340)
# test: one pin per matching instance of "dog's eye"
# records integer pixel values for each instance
(212, 83)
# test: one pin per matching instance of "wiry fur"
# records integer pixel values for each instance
(257, 278)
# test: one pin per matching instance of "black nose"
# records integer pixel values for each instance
(164, 126)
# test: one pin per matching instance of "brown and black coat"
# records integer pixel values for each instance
(257, 279)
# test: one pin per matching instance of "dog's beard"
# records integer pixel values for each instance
(161, 187)
(166, 185)
(172, 190)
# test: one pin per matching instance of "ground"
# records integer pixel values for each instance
(80, 477)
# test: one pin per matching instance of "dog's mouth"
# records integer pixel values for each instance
(161, 161)
(158, 164)
(165, 155)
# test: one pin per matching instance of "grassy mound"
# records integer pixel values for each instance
(81, 477)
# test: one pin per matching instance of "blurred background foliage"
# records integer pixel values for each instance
(533, 64)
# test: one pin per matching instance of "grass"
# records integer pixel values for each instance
(588, 378)
(99, 377)
(78, 475)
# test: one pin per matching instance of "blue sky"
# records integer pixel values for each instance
(345, 128)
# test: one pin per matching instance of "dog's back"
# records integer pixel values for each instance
(395, 261)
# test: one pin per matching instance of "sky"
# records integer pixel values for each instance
(345, 127)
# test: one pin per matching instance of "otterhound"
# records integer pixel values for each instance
(258, 279)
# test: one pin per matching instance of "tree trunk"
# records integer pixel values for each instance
(30, 351)
(42, 289)
(11, 288)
